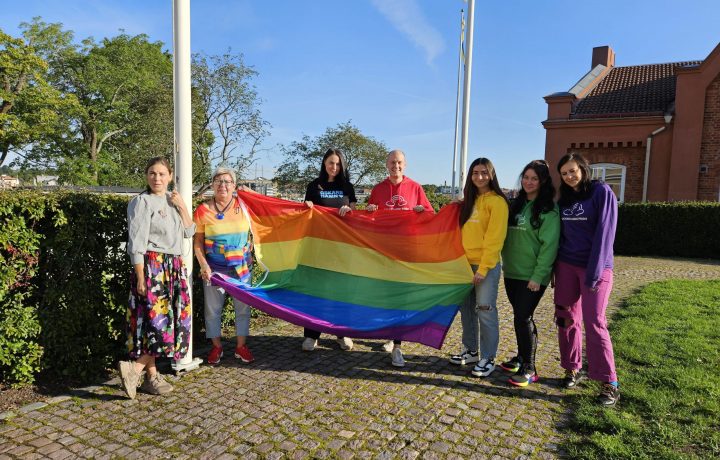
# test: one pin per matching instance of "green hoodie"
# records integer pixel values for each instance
(529, 253)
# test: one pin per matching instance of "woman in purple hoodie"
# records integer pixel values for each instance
(584, 276)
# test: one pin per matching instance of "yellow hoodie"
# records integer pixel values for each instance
(484, 233)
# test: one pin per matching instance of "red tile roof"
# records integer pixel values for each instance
(632, 91)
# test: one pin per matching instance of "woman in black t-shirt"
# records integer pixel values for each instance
(332, 189)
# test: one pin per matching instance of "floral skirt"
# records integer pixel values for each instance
(159, 324)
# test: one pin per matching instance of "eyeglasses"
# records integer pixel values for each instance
(222, 182)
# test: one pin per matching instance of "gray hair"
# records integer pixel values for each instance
(220, 170)
(392, 152)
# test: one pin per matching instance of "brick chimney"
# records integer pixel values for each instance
(603, 55)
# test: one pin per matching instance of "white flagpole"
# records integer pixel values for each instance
(466, 91)
(183, 140)
(461, 58)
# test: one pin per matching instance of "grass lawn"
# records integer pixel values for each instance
(667, 352)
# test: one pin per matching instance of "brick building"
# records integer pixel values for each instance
(651, 131)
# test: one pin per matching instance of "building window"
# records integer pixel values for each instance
(613, 175)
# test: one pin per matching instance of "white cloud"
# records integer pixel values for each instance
(406, 16)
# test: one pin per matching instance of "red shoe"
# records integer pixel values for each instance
(243, 353)
(215, 354)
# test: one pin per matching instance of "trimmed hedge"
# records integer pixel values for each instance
(677, 229)
(64, 283)
(20, 351)
(66, 304)
(64, 293)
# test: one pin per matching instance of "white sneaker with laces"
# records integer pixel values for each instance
(389, 346)
(465, 357)
(397, 358)
(485, 367)
(309, 344)
(345, 343)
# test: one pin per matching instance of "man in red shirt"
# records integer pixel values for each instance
(397, 193)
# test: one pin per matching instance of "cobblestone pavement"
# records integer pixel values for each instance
(329, 403)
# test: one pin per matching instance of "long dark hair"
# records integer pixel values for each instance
(567, 193)
(544, 200)
(152, 162)
(470, 192)
(343, 176)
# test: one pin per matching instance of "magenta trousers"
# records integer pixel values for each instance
(581, 305)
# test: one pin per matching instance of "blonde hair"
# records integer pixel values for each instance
(220, 170)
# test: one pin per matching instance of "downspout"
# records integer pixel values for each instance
(648, 148)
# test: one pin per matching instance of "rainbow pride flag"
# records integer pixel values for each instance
(382, 275)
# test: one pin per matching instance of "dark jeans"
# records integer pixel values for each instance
(315, 334)
(524, 301)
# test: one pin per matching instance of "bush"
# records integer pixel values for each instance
(82, 285)
(20, 352)
(678, 229)
(64, 289)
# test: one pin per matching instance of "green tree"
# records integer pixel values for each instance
(123, 88)
(228, 112)
(31, 110)
(125, 116)
(119, 84)
(437, 200)
(301, 159)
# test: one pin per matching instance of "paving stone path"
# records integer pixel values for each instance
(329, 403)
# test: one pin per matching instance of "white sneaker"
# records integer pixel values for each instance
(389, 346)
(309, 344)
(345, 343)
(397, 358)
(485, 367)
(465, 357)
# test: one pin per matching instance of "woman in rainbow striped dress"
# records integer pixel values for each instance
(222, 245)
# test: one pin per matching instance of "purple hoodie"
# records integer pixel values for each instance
(588, 232)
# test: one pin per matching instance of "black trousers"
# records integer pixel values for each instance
(524, 301)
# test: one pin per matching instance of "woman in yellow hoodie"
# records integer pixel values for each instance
(483, 221)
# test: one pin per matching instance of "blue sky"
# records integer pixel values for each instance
(390, 66)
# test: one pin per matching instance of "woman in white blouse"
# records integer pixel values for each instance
(159, 314)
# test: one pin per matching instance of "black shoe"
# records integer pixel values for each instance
(573, 377)
(524, 376)
(609, 394)
(512, 365)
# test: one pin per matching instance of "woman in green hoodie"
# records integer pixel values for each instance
(528, 257)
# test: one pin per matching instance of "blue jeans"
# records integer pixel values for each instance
(479, 316)
(214, 303)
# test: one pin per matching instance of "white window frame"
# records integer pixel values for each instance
(598, 171)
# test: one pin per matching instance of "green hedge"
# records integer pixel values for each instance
(64, 304)
(64, 294)
(63, 286)
(20, 352)
(678, 229)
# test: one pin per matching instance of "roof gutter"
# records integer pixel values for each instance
(648, 148)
